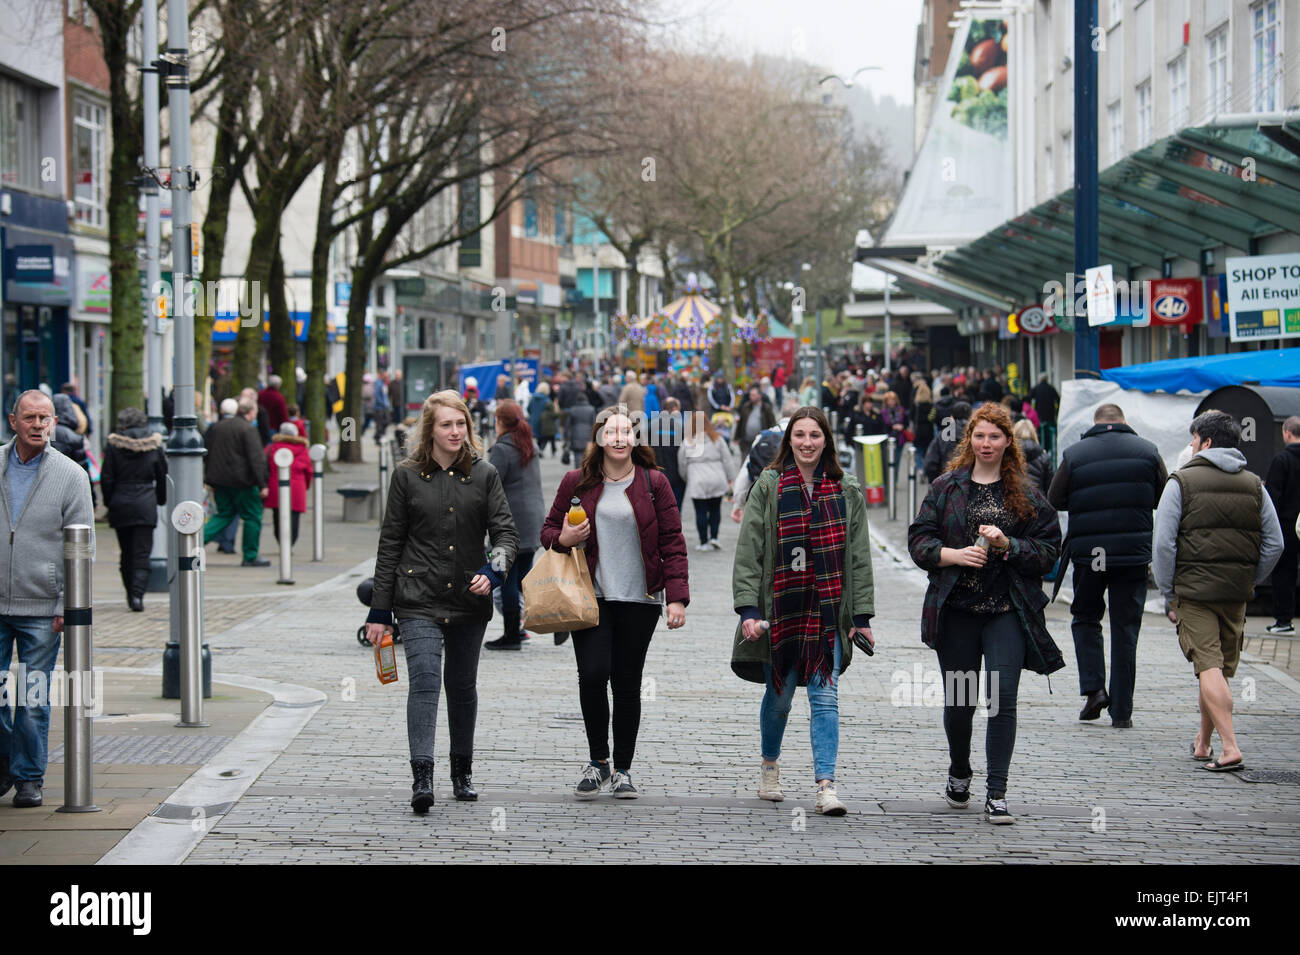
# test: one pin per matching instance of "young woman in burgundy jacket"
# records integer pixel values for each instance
(632, 537)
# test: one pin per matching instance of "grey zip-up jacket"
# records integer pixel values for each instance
(31, 551)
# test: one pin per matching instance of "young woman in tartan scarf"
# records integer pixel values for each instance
(803, 567)
(987, 536)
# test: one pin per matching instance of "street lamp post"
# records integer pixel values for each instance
(185, 448)
(807, 267)
(153, 275)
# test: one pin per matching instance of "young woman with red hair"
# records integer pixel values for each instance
(987, 536)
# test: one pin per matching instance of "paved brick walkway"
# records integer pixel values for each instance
(1081, 792)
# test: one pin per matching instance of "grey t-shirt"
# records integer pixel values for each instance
(620, 568)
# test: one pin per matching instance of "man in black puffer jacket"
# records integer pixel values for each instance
(1110, 482)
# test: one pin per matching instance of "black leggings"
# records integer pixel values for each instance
(134, 545)
(708, 517)
(612, 653)
(964, 638)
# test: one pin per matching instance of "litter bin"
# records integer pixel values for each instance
(1260, 411)
(871, 467)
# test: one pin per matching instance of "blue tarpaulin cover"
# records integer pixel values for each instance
(1278, 368)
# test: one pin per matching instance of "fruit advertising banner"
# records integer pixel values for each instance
(962, 182)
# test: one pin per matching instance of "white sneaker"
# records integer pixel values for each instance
(769, 783)
(828, 804)
(700, 548)
(714, 544)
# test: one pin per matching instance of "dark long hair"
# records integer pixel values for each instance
(511, 416)
(593, 462)
(1014, 478)
(830, 460)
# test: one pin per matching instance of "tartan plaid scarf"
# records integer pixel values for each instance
(809, 576)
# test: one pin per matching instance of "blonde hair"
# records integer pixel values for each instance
(421, 457)
(1024, 430)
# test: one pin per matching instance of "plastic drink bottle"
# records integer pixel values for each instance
(386, 659)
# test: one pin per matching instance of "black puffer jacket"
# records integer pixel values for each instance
(431, 544)
(134, 478)
(1110, 481)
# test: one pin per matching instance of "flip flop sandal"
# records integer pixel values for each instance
(1200, 759)
(1215, 766)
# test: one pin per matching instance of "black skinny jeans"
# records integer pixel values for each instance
(708, 517)
(612, 653)
(964, 638)
(134, 545)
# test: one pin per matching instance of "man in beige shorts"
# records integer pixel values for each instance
(1216, 538)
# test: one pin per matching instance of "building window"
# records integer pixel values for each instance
(1178, 93)
(1144, 114)
(1115, 122)
(89, 164)
(20, 135)
(74, 9)
(1217, 73)
(1142, 39)
(1266, 55)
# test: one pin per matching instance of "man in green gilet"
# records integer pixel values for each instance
(1216, 538)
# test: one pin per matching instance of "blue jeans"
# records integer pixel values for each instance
(824, 725)
(510, 589)
(25, 737)
(424, 642)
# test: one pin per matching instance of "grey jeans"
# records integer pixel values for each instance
(424, 642)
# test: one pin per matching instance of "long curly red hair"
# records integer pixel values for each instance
(1014, 479)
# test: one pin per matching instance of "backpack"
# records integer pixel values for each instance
(763, 452)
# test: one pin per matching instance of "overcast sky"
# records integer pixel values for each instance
(843, 34)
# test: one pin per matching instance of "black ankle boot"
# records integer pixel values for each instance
(461, 784)
(422, 788)
(510, 641)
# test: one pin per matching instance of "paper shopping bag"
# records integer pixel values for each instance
(558, 594)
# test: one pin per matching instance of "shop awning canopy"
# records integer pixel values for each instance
(1278, 368)
(1201, 188)
(1225, 183)
(955, 292)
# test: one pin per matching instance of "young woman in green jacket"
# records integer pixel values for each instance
(802, 586)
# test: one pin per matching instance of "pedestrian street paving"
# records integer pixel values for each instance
(1080, 792)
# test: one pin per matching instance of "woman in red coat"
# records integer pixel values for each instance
(632, 539)
(300, 473)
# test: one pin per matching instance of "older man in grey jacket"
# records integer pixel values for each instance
(41, 492)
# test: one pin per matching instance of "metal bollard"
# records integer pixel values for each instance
(911, 482)
(284, 514)
(187, 518)
(891, 491)
(78, 702)
(317, 455)
(384, 455)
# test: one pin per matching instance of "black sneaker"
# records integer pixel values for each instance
(1280, 627)
(622, 787)
(995, 811)
(256, 562)
(29, 794)
(595, 777)
(958, 792)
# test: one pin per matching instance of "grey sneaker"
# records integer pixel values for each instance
(769, 783)
(828, 803)
(595, 777)
(995, 811)
(621, 786)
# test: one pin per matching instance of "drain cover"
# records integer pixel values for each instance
(1270, 776)
(152, 750)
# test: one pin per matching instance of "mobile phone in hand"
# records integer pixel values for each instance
(862, 643)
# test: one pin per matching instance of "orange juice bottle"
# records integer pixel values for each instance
(386, 659)
(576, 513)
